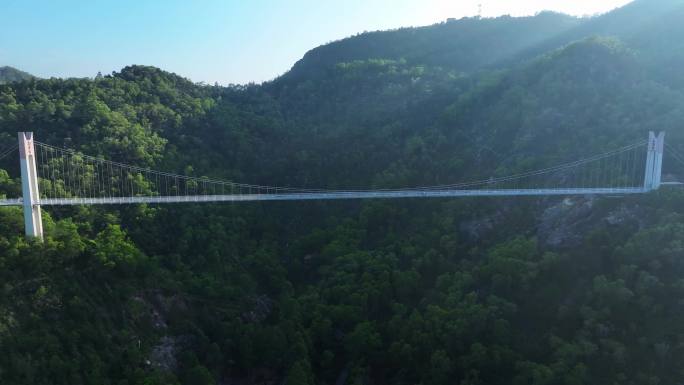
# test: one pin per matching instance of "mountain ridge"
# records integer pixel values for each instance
(420, 45)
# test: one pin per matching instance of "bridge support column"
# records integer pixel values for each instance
(654, 161)
(33, 220)
(658, 166)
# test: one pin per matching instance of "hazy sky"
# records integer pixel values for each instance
(225, 41)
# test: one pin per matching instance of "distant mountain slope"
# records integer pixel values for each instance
(650, 27)
(579, 98)
(10, 74)
(462, 45)
(653, 28)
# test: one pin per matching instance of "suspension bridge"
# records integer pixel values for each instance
(53, 176)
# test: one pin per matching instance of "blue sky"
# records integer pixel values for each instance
(224, 41)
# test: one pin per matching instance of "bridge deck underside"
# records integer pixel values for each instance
(329, 196)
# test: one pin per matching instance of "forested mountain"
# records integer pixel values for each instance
(569, 291)
(9, 74)
(461, 45)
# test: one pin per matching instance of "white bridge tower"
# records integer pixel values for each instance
(33, 221)
(654, 161)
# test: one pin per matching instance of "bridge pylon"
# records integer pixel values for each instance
(33, 221)
(654, 161)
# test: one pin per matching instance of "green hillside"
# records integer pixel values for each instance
(583, 290)
(462, 45)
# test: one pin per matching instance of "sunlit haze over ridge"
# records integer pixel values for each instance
(224, 41)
